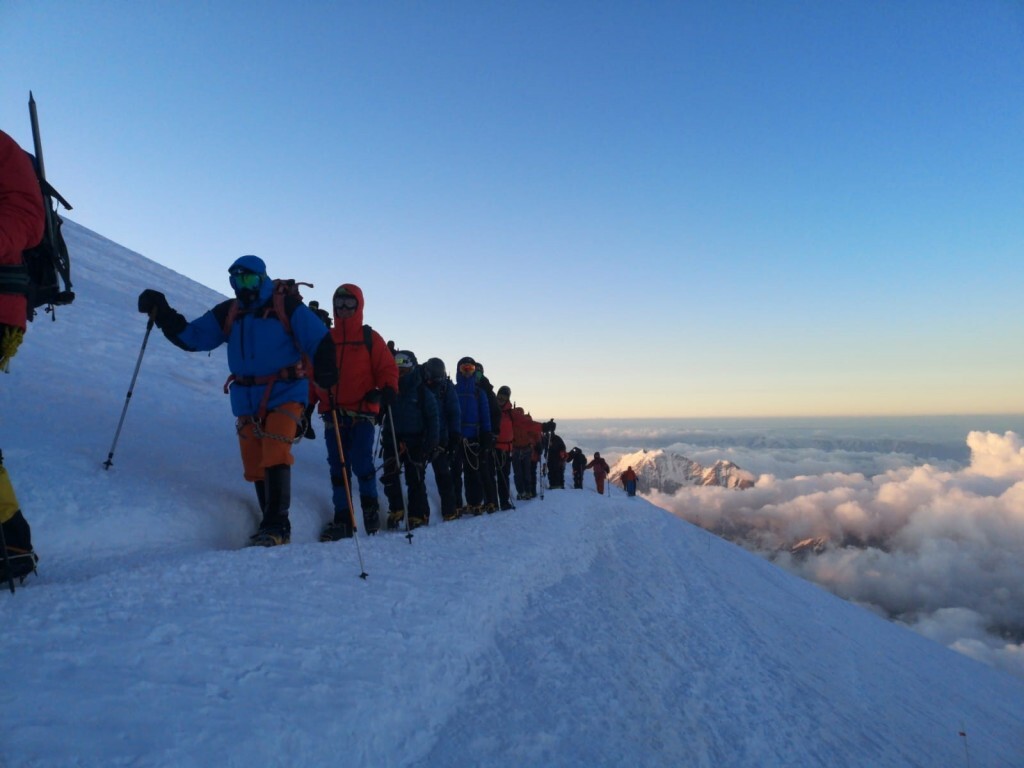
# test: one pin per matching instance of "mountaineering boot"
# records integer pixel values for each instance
(21, 559)
(416, 522)
(395, 517)
(261, 495)
(371, 514)
(276, 528)
(339, 528)
(22, 564)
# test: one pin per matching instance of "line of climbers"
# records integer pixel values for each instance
(288, 360)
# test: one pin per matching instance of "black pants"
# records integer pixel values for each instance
(472, 467)
(487, 476)
(556, 473)
(502, 467)
(522, 471)
(412, 465)
(445, 486)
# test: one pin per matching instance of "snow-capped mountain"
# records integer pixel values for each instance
(666, 472)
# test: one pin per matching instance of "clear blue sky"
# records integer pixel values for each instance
(622, 209)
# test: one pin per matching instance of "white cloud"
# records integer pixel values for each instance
(995, 455)
(920, 543)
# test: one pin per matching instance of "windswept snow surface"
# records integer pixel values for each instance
(579, 630)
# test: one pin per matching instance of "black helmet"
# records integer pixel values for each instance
(433, 369)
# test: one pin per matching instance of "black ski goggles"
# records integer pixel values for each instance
(342, 303)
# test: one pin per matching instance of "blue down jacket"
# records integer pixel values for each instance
(415, 412)
(259, 346)
(476, 411)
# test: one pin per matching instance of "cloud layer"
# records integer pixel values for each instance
(935, 546)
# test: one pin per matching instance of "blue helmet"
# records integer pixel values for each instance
(248, 278)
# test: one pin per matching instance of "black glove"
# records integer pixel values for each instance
(486, 440)
(153, 303)
(388, 397)
(454, 443)
(325, 376)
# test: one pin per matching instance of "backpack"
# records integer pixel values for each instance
(283, 289)
(45, 266)
(48, 265)
(368, 338)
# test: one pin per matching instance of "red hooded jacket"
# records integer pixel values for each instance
(360, 370)
(503, 440)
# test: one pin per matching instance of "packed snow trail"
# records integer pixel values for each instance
(580, 631)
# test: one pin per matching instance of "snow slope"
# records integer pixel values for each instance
(575, 631)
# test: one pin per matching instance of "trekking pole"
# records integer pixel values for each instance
(344, 478)
(131, 388)
(503, 477)
(543, 464)
(963, 735)
(399, 472)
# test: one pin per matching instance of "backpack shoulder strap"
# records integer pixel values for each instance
(368, 338)
(282, 305)
(229, 310)
(279, 309)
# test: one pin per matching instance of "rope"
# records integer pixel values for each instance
(259, 433)
(468, 452)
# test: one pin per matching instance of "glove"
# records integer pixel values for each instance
(151, 302)
(372, 397)
(454, 443)
(486, 440)
(388, 397)
(325, 377)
